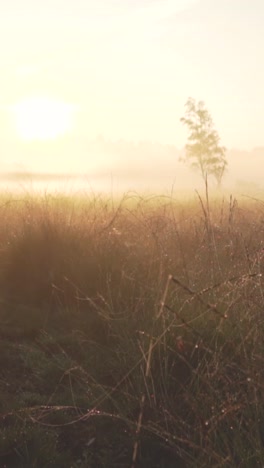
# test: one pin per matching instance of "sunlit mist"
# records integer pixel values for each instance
(42, 118)
(98, 88)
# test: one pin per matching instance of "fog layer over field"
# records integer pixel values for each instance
(104, 165)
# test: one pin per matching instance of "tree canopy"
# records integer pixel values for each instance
(203, 151)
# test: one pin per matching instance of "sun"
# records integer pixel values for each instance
(42, 118)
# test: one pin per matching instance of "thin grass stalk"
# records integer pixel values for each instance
(142, 404)
(147, 375)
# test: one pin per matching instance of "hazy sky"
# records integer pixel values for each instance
(127, 67)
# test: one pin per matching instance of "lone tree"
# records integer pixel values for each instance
(203, 152)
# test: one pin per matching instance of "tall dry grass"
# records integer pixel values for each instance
(131, 331)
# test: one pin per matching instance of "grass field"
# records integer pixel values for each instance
(132, 331)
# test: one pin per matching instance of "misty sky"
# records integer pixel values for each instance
(128, 66)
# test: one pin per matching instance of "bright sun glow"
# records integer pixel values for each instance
(42, 118)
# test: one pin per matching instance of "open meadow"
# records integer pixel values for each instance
(132, 331)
